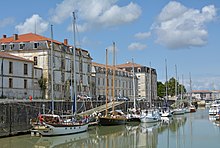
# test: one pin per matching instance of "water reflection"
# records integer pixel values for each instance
(131, 135)
(182, 131)
(59, 141)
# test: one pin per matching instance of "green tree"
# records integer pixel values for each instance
(42, 83)
(161, 90)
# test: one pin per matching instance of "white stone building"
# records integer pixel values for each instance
(146, 77)
(123, 85)
(18, 78)
(38, 49)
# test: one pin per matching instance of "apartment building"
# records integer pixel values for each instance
(123, 85)
(146, 79)
(37, 48)
(18, 77)
(205, 94)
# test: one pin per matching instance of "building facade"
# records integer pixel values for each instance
(18, 77)
(123, 85)
(205, 94)
(38, 49)
(146, 79)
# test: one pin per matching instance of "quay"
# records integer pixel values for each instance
(15, 115)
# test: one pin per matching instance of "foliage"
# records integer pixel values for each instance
(42, 83)
(161, 88)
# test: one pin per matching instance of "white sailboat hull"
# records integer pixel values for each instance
(179, 111)
(146, 119)
(150, 117)
(51, 130)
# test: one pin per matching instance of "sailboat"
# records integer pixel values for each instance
(179, 110)
(165, 111)
(152, 114)
(53, 124)
(133, 114)
(115, 117)
(191, 108)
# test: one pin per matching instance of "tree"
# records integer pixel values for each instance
(161, 90)
(42, 83)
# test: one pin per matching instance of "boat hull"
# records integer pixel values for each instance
(55, 130)
(133, 119)
(179, 112)
(108, 121)
(149, 119)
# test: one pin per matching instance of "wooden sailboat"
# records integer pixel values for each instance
(52, 124)
(115, 117)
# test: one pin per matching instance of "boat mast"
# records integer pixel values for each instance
(182, 89)
(74, 65)
(190, 84)
(176, 82)
(106, 83)
(133, 84)
(166, 80)
(51, 64)
(113, 79)
(150, 88)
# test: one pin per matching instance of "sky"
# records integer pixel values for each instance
(186, 33)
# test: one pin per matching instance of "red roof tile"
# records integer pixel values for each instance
(27, 38)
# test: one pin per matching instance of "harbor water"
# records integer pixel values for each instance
(193, 130)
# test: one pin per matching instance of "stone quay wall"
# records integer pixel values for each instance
(15, 115)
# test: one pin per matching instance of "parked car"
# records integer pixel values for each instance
(122, 99)
(84, 97)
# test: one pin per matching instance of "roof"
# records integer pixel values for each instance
(109, 66)
(6, 55)
(27, 38)
(128, 64)
(201, 91)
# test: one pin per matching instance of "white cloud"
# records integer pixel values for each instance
(181, 27)
(96, 13)
(142, 35)
(6, 21)
(137, 46)
(35, 22)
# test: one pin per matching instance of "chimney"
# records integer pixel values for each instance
(4, 36)
(15, 36)
(65, 42)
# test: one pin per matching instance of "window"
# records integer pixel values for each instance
(10, 67)
(36, 45)
(11, 46)
(10, 83)
(35, 60)
(22, 45)
(3, 47)
(25, 83)
(25, 69)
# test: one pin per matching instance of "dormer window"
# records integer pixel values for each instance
(3, 47)
(11, 46)
(36, 45)
(22, 45)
